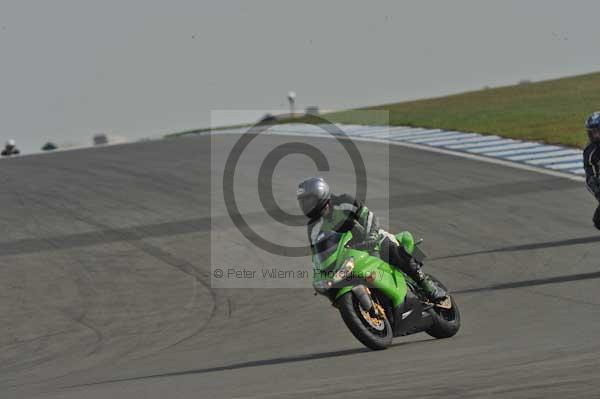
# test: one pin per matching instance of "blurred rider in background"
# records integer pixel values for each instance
(10, 149)
(591, 161)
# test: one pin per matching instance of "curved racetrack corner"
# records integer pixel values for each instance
(105, 283)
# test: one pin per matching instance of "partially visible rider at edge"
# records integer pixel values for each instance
(330, 212)
(591, 161)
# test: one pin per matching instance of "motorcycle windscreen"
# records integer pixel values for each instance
(326, 245)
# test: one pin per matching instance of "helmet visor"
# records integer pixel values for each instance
(308, 203)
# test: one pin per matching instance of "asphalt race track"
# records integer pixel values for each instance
(105, 280)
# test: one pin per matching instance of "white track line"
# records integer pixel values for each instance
(430, 140)
(413, 133)
(478, 145)
(478, 139)
(386, 130)
(421, 136)
(486, 150)
(497, 161)
(546, 154)
(550, 160)
(541, 148)
(563, 166)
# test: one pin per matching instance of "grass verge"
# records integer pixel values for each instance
(551, 111)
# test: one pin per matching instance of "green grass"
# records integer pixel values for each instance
(552, 111)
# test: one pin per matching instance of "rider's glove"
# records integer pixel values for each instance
(382, 235)
(373, 236)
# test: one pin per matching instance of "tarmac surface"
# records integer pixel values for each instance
(107, 257)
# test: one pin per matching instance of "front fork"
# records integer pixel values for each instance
(363, 294)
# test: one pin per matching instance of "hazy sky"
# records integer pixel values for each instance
(69, 69)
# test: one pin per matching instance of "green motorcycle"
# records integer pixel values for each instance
(376, 300)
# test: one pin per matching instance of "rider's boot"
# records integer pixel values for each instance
(431, 288)
(396, 255)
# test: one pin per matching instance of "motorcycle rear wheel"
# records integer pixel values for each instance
(446, 322)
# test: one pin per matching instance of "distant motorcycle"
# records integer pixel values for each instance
(376, 300)
(10, 149)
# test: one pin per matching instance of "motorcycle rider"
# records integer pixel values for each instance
(10, 149)
(591, 161)
(340, 213)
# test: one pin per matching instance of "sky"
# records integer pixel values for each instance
(139, 69)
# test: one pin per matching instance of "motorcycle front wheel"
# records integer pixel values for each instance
(373, 332)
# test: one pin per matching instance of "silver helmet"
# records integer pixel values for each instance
(313, 195)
